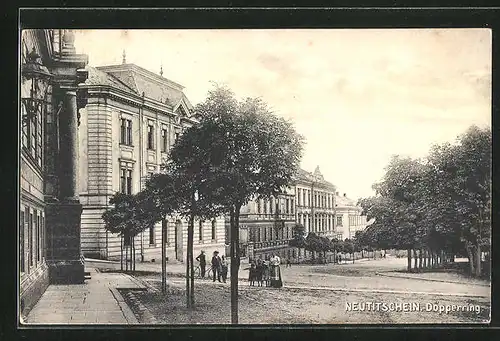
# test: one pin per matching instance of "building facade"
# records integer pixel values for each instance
(132, 118)
(49, 212)
(348, 217)
(315, 198)
(266, 226)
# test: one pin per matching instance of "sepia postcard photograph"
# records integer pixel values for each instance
(254, 176)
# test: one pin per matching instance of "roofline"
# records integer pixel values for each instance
(128, 96)
(145, 72)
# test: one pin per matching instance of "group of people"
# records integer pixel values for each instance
(218, 264)
(265, 272)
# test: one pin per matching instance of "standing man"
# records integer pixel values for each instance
(203, 263)
(216, 265)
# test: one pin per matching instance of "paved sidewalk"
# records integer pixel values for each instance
(91, 303)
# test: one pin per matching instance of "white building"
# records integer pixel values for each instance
(348, 218)
(315, 199)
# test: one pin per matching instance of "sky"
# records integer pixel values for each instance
(358, 96)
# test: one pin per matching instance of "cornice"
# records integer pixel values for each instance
(127, 98)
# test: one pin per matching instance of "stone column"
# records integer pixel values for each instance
(64, 217)
(69, 148)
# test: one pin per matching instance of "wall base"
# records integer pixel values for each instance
(67, 272)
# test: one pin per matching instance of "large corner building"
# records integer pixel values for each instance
(132, 119)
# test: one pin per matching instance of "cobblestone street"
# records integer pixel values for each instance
(320, 294)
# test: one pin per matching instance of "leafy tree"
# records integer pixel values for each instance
(125, 219)
(299, 239)
(439, 205)
(348, 247)
(246, 152)
(313, 244)
(182, 189)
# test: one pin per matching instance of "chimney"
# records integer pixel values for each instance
(344, 194)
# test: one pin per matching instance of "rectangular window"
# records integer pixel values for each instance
(287, 207)
(43, 237)
(26, 128)
(292, 204)
(21, 241)
(152, 235)
(258, 206)
(123, 131)
(151, 141)
(339, 221)
(257, 237)
(30, 236)
(123, 180)
(129, 181)
(38, 239)
(200, 230)
(265, 206)
(129, 132)
(214, 230)
(33, 137)
(164, 140)
(39, 139)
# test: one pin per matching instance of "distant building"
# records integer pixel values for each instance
(132, 119)
(266, 226)
(348, 218)
(315, 198)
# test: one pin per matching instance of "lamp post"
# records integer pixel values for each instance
(37, 79)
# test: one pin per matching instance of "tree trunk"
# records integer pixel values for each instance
(163, 258)
(426, 263)
(235, 260)
(471, 259)
(191, 256)
(415, 256)
(408, 255)
(420, 259)
(126, 255)
(478, 260)
(121, 252)
(188, 282)
(133, 248)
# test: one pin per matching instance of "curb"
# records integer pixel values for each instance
(144, 312)
(428, 279)
(141, 285)
(92, 260)
(127, 312)
(386, 291)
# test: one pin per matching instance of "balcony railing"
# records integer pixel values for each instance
(270, 244)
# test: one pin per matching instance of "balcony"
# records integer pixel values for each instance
(270, 244)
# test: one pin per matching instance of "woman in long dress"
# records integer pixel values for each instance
(223, 269)
(276, 272)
